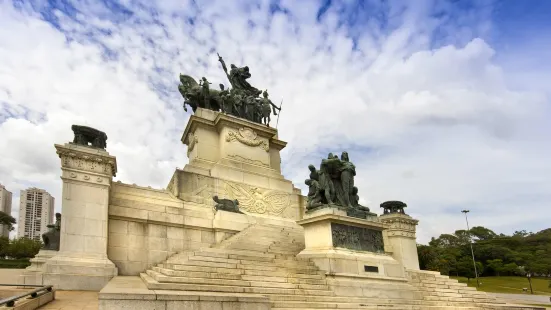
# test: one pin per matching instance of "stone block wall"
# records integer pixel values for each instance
(147, 225)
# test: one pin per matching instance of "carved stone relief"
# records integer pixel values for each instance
(357, 238)
(192, 138)
(248, 137)
(248, 160)
(257, 200)
(86, 162)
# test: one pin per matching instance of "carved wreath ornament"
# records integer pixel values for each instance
(248, 137)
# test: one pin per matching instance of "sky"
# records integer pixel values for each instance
(441, 104)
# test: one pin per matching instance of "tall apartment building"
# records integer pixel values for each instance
(5, 206)
(36, 210)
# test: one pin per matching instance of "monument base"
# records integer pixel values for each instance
(74, 272)
(33, 275)
(348, 246)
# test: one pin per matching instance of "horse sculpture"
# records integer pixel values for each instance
(193, 96)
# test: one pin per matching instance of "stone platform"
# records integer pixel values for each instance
(264, 273)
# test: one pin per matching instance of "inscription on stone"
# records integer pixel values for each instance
(357, 238)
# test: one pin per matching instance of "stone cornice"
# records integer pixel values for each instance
(222, 120)
(398, 218)
(376, 224)
(86, 159)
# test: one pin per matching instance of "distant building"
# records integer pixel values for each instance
(5, 206)
(36, 210)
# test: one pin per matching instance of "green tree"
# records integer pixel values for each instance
(521, 233)
(428, 257)
(4, 245)
(510, 269)
(23, 248)
(482, 233)
(445, 241)
(465, 268)
(496, 265)
(7, 220)
(463, 237)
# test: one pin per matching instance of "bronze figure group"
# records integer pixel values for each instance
(333, 184)
(242, 100)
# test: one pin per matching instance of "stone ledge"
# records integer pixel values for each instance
(366, 276)
(128, 289)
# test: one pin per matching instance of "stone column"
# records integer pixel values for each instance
(82, 263)
(401, 236)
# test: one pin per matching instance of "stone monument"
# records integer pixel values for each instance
(87, 171)
(229, 231)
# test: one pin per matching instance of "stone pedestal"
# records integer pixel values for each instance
(82, 263)
(401, 237)
(33, 275)
(235, 159)
(348, 247)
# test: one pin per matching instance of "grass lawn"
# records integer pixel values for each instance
(512, 285)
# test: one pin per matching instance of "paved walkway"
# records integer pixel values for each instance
(73, 300)
(84, 300)
(524, 298)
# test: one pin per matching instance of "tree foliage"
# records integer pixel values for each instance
(496, 255)
(7, 220)
(19, 248)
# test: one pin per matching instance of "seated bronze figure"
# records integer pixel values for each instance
(51, 238)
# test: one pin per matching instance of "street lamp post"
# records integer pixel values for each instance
(529, 276)
(471, 244)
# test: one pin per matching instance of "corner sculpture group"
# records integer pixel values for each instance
(332, 185)
(242, 100)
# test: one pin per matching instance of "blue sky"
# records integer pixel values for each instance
(441, 104)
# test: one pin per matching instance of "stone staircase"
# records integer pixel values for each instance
(262, 260)
(436, 287)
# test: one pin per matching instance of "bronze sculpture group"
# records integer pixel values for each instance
(242, 100)
(333, 185)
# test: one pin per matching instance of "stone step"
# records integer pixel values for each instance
(197, 274)
(178, 267)
(152, 284)
(379, 306)
(296, 266)
(159, 277)
(227, 252)
(226, 273)
(287, 279)
(364, 305)
(248, 246)
(314, 275)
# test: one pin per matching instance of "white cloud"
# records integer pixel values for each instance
(440, 126)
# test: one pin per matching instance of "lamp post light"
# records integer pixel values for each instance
(529, 276)
(471, 244)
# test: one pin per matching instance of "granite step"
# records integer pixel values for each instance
(314, 275)
(197, 274)
(153, 284)
(229, 252)
(162, 278)
(291, 267)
